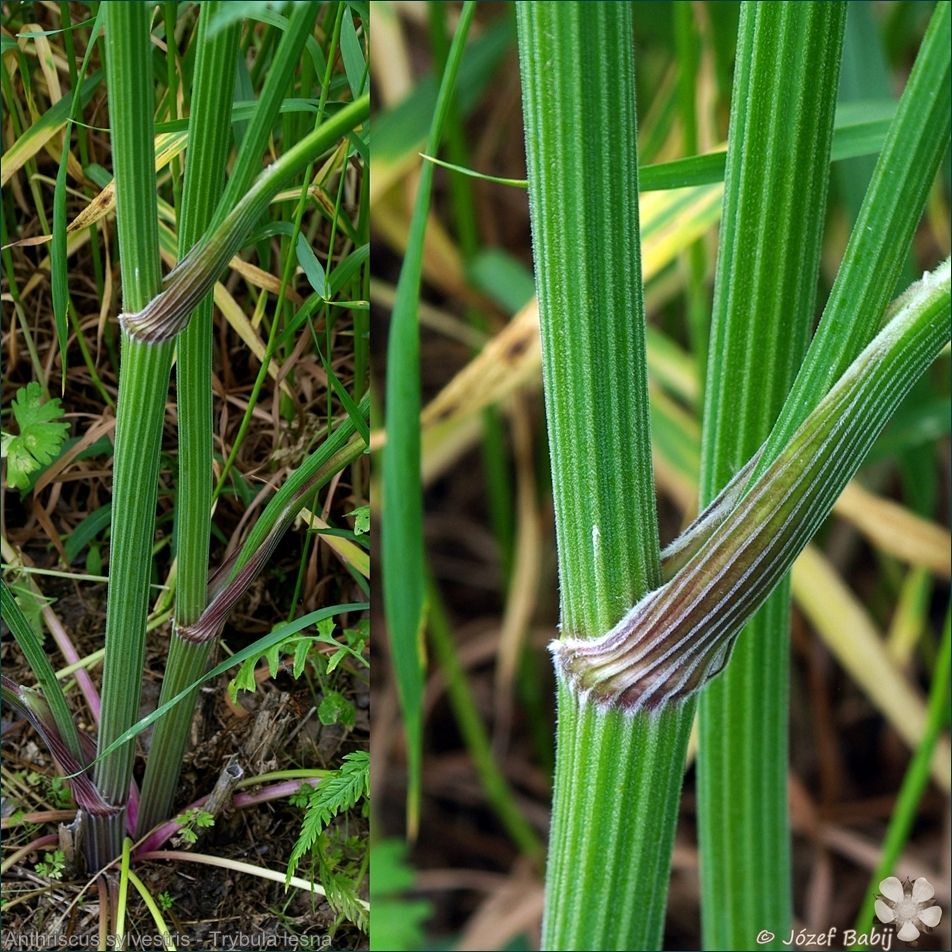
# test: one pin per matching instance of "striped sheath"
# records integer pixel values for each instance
(680, 635)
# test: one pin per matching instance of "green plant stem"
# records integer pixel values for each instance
(143, 388)
(209, 139)
(494, 783)
(774, 206)
(617, 778)
(915, 781)
(613, 830)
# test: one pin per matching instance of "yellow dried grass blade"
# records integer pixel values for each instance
(352, 554)
(851, 635)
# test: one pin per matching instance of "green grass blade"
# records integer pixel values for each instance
(58, 269)
(768, 261)
(402, 539)
(54, 119)
(861, 129)
(355, 62)
(39, 663)
(498, 792)
(256, 650)
(58, 266)
(495, 454)
(347, 401)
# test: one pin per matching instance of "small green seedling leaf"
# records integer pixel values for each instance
(244, 680)
(192, 820)
(313, 269)
(299, 647)
(40, 437)
(359, 636)
(59, 794)
(301, 651)
(325, 635)
(336, 709)
(361, 520)
(52, 865)
(32, 605)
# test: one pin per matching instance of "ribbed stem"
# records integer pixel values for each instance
(209, 144)
(578, 99)
(617, 779)
(768, 260)
(140, 413)
(613, 829)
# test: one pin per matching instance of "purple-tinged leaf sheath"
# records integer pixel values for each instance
(31, 704)
(228, 584)
(680, 635)
(195, 275)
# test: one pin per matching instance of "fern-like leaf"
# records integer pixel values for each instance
(339, 791)
(340, 888)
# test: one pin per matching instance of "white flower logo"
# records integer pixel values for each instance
(909, 905)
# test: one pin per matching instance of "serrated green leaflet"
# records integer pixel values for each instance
(40, 436)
